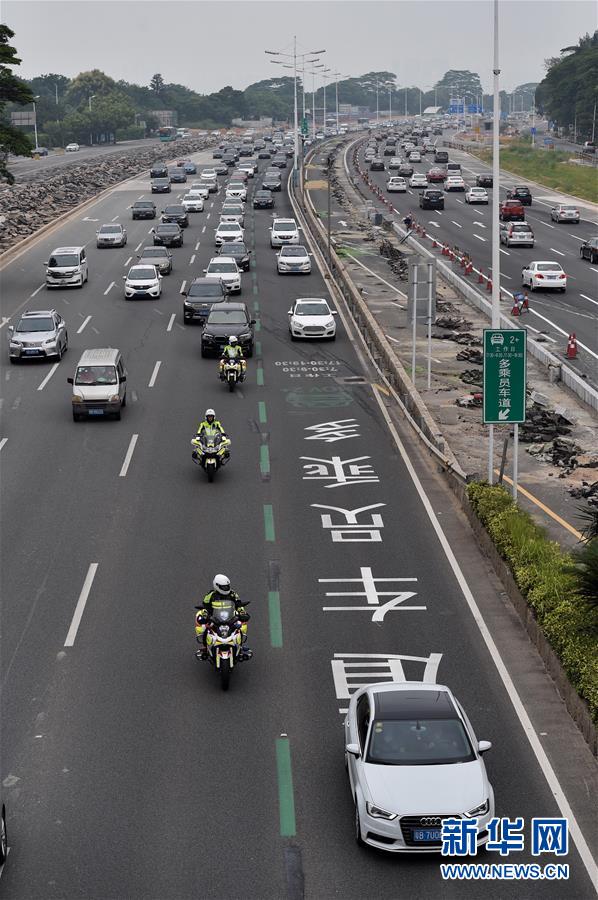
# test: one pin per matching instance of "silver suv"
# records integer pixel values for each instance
(38, 334)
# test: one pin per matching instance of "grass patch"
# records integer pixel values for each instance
(548, 167)
(549, 580)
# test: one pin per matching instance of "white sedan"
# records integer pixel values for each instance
(312, 318)
(418, 180)
(476, 195)
(193, 202)
(413, 760)
(395, 162)
(454, 183)
(198, 188)
(72, 148)
(227, 232)
(293, 258)
(225, 269)
(546, 274)
(564, 212)
(396, 184)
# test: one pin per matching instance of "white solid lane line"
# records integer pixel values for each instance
(171, 322)
(128, 261)
(48, 376)
(37, 290)
(80, 607)
(109, 288)
(558, 251)
(585, 297)
(129, 454)
(83, 324)
(183, 285)
(3, 442)
(152, 380)
(456, 223)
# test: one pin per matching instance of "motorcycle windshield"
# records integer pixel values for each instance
(224, 614)
(212, 438)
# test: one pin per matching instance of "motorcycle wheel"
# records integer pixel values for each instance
(210, 473)
(224, 674)
(231, 384)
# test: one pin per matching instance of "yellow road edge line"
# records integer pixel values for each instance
(380, 387)
(544, 508)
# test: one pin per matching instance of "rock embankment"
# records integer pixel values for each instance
(25, 207)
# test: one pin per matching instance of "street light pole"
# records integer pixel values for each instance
(405, 102)
(495, 212)
(377, 106)
(35, 120)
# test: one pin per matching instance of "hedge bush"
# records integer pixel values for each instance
(550, 581)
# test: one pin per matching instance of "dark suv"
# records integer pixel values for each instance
(158, 170)
(483, 180)
(200, 296)
(168, 234)
(226, 319)
(143, 209)
(521, 193)
(431, 198)
(175, 212)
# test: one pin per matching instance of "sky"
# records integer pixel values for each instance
(184, 40)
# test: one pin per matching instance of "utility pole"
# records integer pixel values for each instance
(593, 120)
(377, 107)
(405, 102)
(495, 213)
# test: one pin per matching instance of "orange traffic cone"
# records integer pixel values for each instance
(572, 347)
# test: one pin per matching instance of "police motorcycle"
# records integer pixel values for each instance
(211, 451)
(232, 372)
(224, 639)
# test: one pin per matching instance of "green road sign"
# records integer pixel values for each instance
(304, 128)
(504, 375)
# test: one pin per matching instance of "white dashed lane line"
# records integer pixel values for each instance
(558, 251)
(192, 260)
(479, 237)
(109, 288)
(3, 442)
(114, 219)
(456, 223)
(37, 290)
(585, 297)
(139, 245)
(128, 261)
(48, 376)
(183, 286)
(83, 324)
(506, 253)
(154, 375)
(171, 322)
(128, 456)
(80, 607)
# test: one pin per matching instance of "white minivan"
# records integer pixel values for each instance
(66, 267)
(99, 384)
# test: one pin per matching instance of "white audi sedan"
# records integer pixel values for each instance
(413, 760)
(418, 180)
(193, 202)
(311, 317)
(396, 184)
(545, 275)
(476, 195)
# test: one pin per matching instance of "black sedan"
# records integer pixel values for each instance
(168, 235)
(239, 253)
(177, 175)
(143, 209)
(175, 212)
(589, 250)
(160, 186)
(271, 184)
(377, 164)
(263, 199)
(159, 171)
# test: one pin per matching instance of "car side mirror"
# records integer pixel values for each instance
(290, 312)
(252, 321)
(11, 328)
(334, 312)
(69, 381)
(124, 277)
(353, 749)
(45, 263)
(483, 746)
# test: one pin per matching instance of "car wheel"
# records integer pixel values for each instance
(60, 353)
(124, 403)
(203, 353)
(117, 416)
(293, 338)
(3, 838)
(76, 417)
(358, 837)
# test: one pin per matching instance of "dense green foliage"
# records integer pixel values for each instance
(550, 581)
(12, 140)
(549, 167)
(569, 92)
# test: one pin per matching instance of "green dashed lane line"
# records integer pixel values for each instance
(260, 376)
(258, 349)
(261, 407)
(286, 800)
(256, 305)
(269, 523)
(255, 288)
(264, 460)
(275, 618)
(258, 325)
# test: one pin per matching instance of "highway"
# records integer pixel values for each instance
(25, 169)
(469, 228)
(127, 771)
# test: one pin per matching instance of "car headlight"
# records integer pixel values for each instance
(50, 341)
(207, 336)
(114, 398)
(245, 336)
(378, 813)
(77, 398)
(480, 810)
(14, 343)
(329, 323)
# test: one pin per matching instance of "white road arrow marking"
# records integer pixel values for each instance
(343, 223)
(437, 224)
(87, 219)
(481, 224)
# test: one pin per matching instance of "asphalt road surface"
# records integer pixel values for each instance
(469, 227)
(25, 169)
(127, 771)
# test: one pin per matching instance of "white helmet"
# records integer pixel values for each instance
(221, 584)
(210, 412)
(232, 339)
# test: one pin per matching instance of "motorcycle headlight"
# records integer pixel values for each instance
(480, 810)
(223, 630)
(378, 813)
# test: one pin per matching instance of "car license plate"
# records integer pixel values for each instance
(551, 277)
(425, 835)
(95, 412)
(31, 352)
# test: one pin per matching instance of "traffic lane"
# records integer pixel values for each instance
(510, 269)
(444, 628)
(189, 526)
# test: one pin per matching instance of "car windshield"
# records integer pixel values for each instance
(523, 228)
(548, 267)
(283, 226)
(174, 211)
(35, 325)
(140, 273)
(143, 204)
(64, 259)
(168, 229)
(229, 226)
(95, 375)
(419, 742)
(227, 317)
(312, 309)
(205, 290)
(293, 251)
(110, 229)
(222, 267)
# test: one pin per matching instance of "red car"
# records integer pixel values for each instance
(436, 175)
(512, 211)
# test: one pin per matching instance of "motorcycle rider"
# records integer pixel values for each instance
(233, 350)
(211, 424)
(214, 599)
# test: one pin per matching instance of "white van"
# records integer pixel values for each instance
(99, 384)
(67, 266)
